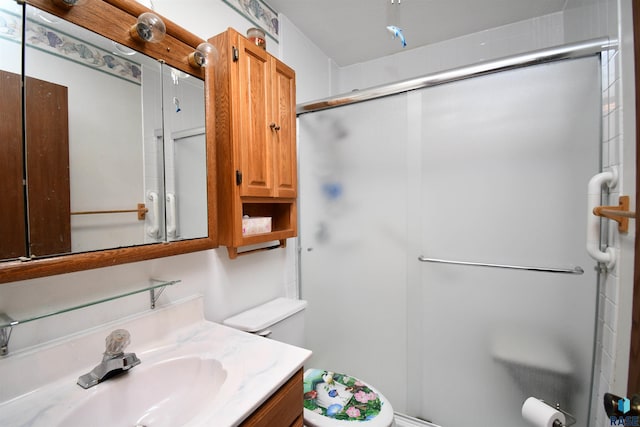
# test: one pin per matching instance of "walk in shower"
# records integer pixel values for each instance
(442, 237)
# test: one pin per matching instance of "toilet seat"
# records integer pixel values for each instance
(338, 400)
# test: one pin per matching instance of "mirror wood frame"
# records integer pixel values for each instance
(113, 19)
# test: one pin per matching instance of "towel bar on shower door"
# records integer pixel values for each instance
(571, 270)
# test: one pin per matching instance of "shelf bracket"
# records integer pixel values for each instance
(153, 295)
(620, 213)
(5, 333)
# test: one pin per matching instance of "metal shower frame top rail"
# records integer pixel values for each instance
(568, 51)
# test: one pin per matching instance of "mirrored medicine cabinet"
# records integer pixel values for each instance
(104, 156)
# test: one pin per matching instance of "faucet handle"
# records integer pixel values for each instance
(116, 342)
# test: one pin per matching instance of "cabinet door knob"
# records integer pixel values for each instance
(274, 126)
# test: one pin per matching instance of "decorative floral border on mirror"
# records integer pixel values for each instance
(56, 42)
(113, 19)
(10, 26)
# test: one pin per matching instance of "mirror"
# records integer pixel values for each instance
(89, 107)
(185, 169)
(11, 151)
(115, 150)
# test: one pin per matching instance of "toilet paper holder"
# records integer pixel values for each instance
(570, 419)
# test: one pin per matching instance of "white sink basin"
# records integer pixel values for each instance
(167, 393)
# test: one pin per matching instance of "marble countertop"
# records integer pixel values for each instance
(39, 386)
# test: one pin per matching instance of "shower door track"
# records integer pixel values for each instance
(568, 51)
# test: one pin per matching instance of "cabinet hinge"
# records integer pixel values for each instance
(238, 177)
(235, 53)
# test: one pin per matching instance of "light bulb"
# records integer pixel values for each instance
(204, 54)
(149, 28)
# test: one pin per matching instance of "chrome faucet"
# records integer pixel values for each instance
(115, 361)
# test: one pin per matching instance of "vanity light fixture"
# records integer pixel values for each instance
(204, 53)
(149, 28)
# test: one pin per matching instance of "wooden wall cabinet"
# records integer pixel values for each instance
(255, 141)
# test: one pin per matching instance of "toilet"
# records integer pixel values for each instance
(331, 399)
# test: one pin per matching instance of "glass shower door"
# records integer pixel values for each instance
(505, 163)
(353, 234)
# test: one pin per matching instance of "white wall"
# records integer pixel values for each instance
(314, 70)
(229, 286)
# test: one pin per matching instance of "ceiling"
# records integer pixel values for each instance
(353, 31)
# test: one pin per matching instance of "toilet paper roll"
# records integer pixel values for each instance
(539, 414)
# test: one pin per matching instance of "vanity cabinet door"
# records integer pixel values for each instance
(284, 408)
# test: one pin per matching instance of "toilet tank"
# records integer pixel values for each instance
(281, 319)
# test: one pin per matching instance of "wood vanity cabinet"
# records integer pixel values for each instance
(255, 141)
(283, 409)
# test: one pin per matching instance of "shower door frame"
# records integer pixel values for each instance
(558, 53)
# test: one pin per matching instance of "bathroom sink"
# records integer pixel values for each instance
(167, 393)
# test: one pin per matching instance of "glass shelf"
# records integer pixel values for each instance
(155, 289)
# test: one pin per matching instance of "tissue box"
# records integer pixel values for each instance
(256, 225)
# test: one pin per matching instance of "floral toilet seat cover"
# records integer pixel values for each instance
(339, 396)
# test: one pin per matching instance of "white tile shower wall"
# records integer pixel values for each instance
(607, 326)
(612, 18)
